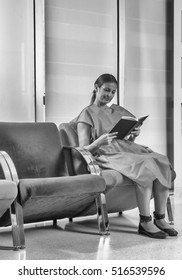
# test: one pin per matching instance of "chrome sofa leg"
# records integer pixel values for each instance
(169, 211)
(16, 215)
(55, 223)
(102, 215)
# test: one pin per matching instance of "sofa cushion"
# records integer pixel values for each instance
(8, 192)
(60, 186)
(56, 198)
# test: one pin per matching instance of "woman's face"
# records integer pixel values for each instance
(105, 93)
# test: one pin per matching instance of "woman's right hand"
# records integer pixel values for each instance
(105, 139)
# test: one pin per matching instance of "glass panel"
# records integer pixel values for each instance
(181, 118)
(181, 26)
(17, 60)
(149, 70)
(181, 72)
(81, 44)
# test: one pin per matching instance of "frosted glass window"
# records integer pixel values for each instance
(17, 60)
(80, 44)
(149, 70)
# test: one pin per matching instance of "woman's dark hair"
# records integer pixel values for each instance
(102, 79)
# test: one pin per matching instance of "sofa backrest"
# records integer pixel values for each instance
(35, 148)
(68, 134)
(69, 138)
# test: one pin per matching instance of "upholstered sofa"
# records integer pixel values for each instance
(56, 179)
(32, 157)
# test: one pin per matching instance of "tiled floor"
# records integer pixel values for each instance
(79, 240)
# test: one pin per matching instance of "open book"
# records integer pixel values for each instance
(126, 124)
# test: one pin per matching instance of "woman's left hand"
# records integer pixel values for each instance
(135, 132)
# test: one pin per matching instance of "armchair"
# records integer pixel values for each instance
(118, 187)
(120, 190)
(31, 156)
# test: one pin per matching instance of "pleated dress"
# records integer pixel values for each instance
(128, 158)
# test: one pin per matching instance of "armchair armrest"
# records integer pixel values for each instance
(80, 161)
(8, 167)
(15, 211)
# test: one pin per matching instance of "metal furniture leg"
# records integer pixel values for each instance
(54, 223)
(102, 215)
(169, 211)
(16, 215)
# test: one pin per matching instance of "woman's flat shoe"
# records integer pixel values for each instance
(169, 231)
(159, 234)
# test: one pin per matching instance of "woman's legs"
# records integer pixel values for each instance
(160, 199)
(160, 194)
(143, 196)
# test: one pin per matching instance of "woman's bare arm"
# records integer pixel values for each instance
(84, 136)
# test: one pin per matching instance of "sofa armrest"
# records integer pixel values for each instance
(8, 167)
(80, 161)
(15, 210)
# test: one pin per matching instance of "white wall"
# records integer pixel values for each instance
(16, 61)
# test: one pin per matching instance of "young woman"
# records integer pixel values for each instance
(151, 171)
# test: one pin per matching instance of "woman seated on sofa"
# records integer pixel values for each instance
(151, 172)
